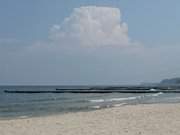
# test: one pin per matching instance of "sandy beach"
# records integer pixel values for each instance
(156, 119)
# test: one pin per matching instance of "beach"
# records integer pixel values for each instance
(149, 119)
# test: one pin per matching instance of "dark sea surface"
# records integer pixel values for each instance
(22, 105)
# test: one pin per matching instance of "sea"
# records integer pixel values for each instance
(22, 105)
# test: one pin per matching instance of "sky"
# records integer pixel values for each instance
(88, 42)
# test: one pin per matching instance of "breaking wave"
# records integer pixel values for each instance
(124, 98)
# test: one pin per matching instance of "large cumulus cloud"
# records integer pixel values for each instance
(92, 26)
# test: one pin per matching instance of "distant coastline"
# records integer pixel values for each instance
(164, 82)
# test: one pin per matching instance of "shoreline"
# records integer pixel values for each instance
(95, 108)
(144, 119)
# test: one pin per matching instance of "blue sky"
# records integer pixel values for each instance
(32, 54)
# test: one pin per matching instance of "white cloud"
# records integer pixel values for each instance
(92, 26)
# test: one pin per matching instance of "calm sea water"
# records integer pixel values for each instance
(27, 105)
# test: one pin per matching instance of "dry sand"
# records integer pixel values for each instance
(156, 119)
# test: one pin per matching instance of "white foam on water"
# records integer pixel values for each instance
(97, 100)
(96, 107)
(125, 98)
(153, 89)
(155, 95)
(122, 99)
(118, 105)
(113, 99)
